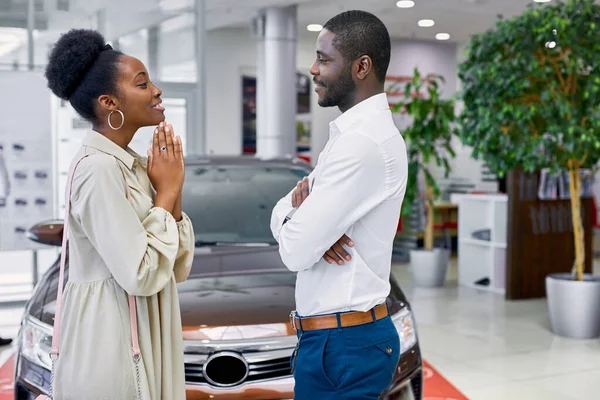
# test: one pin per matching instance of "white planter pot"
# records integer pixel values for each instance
(574, 306)
(429, 268)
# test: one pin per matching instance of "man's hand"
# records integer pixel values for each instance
(337, 253)
(300, 193)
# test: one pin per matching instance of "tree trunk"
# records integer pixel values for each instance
(430, 218)
(575, 189)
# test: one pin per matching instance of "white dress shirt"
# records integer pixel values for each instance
(357, 189)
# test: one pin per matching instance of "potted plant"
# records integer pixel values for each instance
(531, 92)
(429, 139)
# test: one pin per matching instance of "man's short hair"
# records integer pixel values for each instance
(360, 33)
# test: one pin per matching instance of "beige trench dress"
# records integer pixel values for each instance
(118, 248)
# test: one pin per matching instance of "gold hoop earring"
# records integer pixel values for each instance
(122, 120)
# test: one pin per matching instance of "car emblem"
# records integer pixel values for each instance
(226, 369)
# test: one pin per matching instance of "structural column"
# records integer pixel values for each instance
(261, 89)
(117, 44)
(197, 142)
(101, 22)
(276, 112)
(30, 39)
(153, 52)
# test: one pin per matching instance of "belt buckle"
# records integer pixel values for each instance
(293, 315)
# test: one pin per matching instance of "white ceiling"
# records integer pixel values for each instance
(459, 18)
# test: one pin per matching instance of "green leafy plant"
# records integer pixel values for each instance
(531, 92)
(428, 137)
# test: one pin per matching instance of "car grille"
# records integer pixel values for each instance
(257, 371)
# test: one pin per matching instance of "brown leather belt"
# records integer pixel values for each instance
(353, 318)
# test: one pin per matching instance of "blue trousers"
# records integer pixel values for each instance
(351, 363)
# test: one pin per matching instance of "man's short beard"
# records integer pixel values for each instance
(337, 92)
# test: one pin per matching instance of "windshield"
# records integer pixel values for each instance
(232, 204)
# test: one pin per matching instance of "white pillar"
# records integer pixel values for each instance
(153, 51)
(261, 83)
(30, 39)
(197, 140)
(278, 138)
(100, 22)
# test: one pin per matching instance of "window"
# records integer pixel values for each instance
(233, 204)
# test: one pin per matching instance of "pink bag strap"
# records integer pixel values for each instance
(63, 257)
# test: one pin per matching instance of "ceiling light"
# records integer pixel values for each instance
(426, 23)
(442, 36)
(542, 1)
(314, 27)
(405, 4)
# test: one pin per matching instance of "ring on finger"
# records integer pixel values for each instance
(163, 148)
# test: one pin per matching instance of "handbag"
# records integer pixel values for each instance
(54, 352)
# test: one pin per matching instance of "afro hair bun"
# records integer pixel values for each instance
(71, 57)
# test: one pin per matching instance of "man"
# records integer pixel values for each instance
(336, 227)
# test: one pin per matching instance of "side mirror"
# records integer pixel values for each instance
(49, 233)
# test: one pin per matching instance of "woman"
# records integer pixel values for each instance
(127, 234)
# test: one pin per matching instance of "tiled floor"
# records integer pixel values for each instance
(487, 347)
(492, 349)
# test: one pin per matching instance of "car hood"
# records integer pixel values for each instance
(237, 293)
(232, 293)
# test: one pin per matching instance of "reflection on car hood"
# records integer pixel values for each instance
(237, 293)
(234, 260)
(232, 293)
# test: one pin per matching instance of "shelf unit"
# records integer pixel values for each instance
(480, 259)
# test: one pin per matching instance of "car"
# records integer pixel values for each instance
(235, 305)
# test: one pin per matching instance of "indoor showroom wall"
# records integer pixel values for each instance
(441, 58)
(231, 54)
(26, 159)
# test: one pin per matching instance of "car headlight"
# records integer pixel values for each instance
(405, 325)
(36, 343)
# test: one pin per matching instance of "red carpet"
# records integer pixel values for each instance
(6, 379)
(436, 386)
